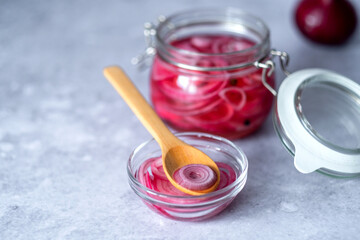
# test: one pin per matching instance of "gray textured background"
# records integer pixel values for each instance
(65, 135)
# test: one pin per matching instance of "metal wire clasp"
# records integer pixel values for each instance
(267, 69)
(149, 33)
(284, 60)
(269, 66)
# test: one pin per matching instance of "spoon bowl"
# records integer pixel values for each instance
(182, 155)
(175, 153)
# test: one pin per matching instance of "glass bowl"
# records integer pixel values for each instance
(190, 208)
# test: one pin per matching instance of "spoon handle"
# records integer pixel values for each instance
(140, 107)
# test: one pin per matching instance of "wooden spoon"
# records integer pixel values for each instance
(175, 153)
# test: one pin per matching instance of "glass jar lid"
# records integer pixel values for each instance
(318, 120)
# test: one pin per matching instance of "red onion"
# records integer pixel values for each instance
(195, 177)
(326, 21)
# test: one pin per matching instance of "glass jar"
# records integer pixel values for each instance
(229, 89)
(206, 74)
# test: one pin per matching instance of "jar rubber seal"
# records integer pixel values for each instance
(319, 112)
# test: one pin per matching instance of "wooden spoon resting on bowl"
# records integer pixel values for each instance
(175, 153)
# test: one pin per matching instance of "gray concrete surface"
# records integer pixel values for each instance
(65, 135)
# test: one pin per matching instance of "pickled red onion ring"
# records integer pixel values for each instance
(157, 169)
(164, 186)
(154, 181)
(215, 113)
(200, 42)
(235, 96)
(195, 177)
(230, 44)
(230, 103)
(143, 169)
(191, 88)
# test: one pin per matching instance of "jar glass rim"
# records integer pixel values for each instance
(227, 13)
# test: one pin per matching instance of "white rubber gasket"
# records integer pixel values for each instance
(310, 153)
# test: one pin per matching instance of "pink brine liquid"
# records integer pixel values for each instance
(151, 174)
(230, 103)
